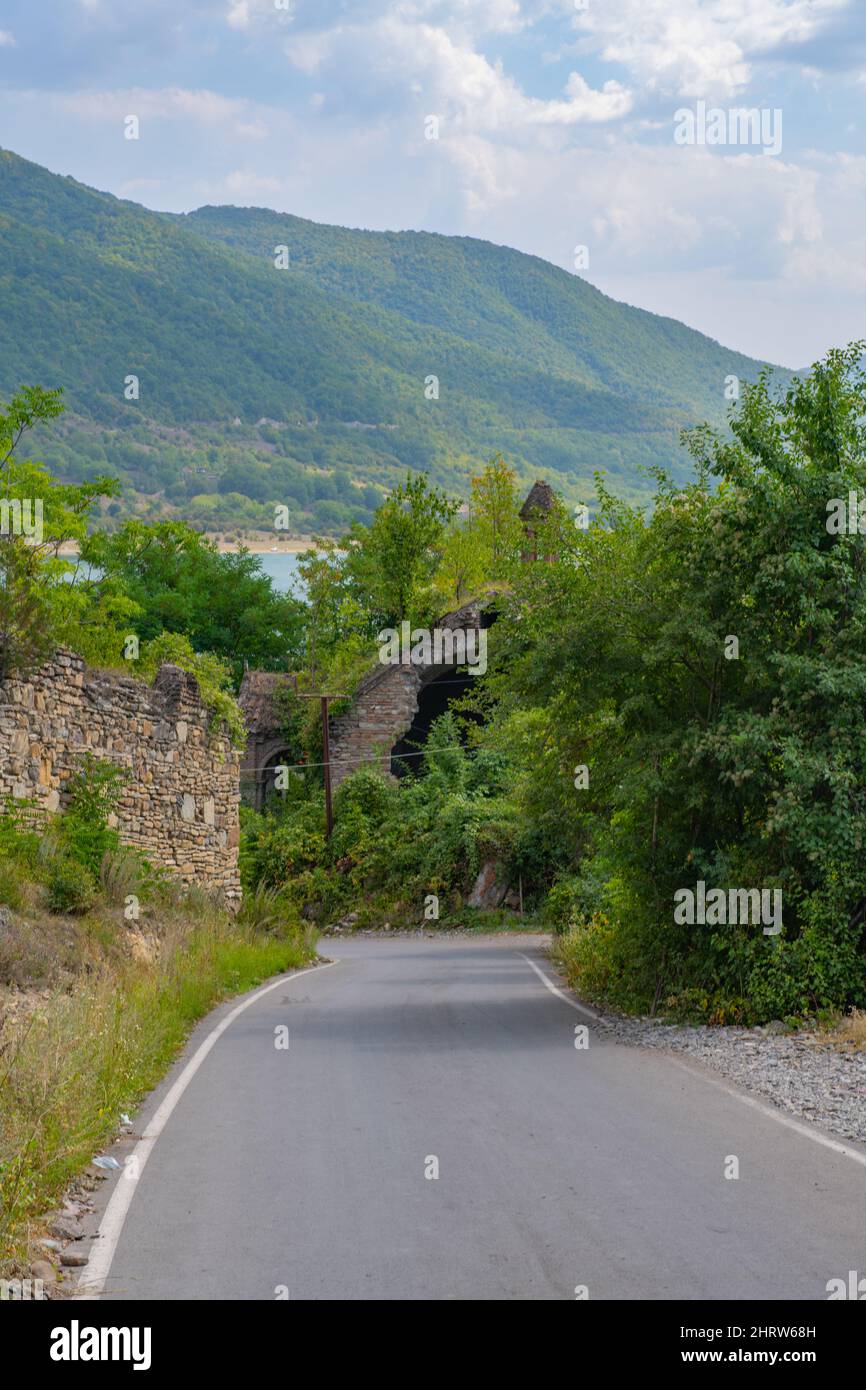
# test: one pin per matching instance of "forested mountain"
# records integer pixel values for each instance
(306, 385)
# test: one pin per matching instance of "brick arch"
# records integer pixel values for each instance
(386, 702)
(382, 711)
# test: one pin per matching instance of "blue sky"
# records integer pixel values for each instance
(556, 129)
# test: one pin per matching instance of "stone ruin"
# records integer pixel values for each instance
(181, 795)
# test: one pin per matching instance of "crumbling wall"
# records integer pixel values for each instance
(180, 800)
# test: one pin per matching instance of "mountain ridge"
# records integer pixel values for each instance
(531, 361)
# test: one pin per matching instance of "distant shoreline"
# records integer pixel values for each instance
(259, 545)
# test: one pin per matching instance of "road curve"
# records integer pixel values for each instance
(300, 1172)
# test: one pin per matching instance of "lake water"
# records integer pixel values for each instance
(281, 567)
(283, 570)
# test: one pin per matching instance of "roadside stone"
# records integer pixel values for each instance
(44, 1270)
(66, 1228)
(800, 1072)
(72, 1260)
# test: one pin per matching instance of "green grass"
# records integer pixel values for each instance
(93, 1051)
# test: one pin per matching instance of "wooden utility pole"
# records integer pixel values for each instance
(326, 753)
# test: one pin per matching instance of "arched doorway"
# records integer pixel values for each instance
(434, 698)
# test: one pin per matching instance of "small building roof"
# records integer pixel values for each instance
(256, 699)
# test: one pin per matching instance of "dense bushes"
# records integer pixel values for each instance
(71, 886)
(673, 699)
(707, 666)
(393, 844)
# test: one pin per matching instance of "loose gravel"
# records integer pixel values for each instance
(803, 1072)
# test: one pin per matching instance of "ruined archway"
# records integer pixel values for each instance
(395, 699)
(435, 697)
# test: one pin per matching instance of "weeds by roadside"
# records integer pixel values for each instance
(94, 1006)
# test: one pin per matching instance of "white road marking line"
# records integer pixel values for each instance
(560, 994)
(779, 1116)
(805, 1130)
(92, 1283)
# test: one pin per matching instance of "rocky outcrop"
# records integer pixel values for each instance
(490, 888)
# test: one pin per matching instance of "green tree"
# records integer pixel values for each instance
(495, 519)
(38, 515)
(391, 564)
(180, 582)
(739, 763)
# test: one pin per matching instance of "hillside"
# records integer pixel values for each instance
(306, 386)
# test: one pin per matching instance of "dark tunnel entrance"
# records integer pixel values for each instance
(434, 699)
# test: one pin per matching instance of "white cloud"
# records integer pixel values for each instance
(162, 104)
(246, 183)
(255, 129)
(699, 47)
(764, 254)
(238, 16)
(7, 40)
(308, 51)
(583, 104)
(258, 14)
(456, 81)
(465, 16)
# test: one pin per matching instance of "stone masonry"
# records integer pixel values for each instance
(180, 800)
(385, 703)
(383, 707)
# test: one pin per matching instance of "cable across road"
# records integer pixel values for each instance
(376, 758)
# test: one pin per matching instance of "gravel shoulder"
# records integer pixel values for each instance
(803, 1073)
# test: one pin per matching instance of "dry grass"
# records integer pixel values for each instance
(850, 1032)
(102, 1030)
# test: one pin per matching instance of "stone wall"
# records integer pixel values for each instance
(180, 801)
(383, 707)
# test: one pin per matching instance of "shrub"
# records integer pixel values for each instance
(212, 673)
(269, 912)
(124, 872)
(13, 879)
(94, 792)
(71, 886)
(18, 840)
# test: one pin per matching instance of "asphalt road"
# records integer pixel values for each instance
(300, 1171)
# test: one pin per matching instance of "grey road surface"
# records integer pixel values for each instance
(302, 1171)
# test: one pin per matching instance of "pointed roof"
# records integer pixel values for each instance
(540, 500)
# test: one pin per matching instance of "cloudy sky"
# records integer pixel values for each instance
(557, 127)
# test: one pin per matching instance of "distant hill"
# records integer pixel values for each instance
(307, 385)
